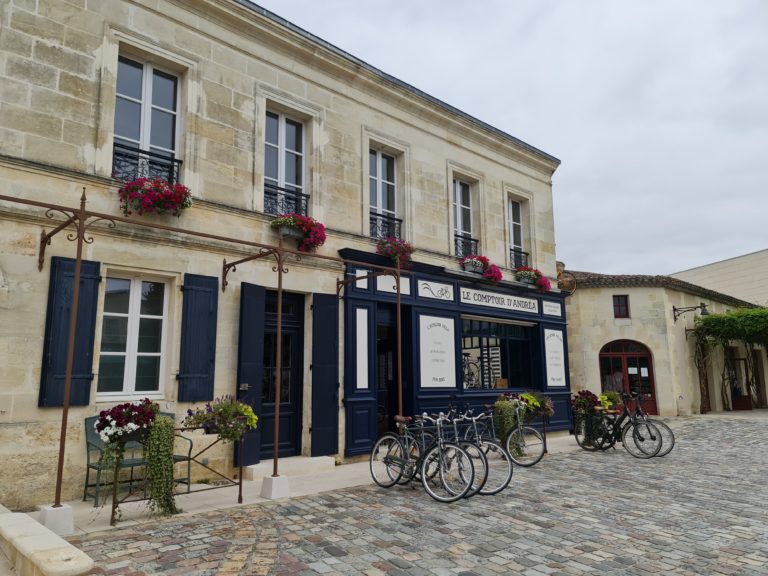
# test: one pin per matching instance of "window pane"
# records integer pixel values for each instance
(272, 128)
(127, 119)
(164, 91)
(293, 138)
(150, 334)
(515, 212)
(129, 78)
(152, 297)
(465, 199)
(372, 168)
(270, 161)
(293, 169)
(111, 370)
(388, 168)
(163, 129)
(114, 334)
(116, 295)
(389, 197)
(147, 373)
(466, 220)
(373, 199)
(517, 235)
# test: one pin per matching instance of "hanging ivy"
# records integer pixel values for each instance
(159, 455)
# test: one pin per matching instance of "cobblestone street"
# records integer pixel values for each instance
(700, 510)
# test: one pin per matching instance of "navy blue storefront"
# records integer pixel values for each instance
(463, 340)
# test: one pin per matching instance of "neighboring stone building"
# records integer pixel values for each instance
(623, 334)
(256, 117)
(744, 277)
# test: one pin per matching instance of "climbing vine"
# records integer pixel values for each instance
(159, 455)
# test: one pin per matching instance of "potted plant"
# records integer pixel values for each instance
(398, 250)
(474, 263)
(230, 419)
(126, 422)
(533, 276)
(153, 196)
(309, 232)
(481, 265)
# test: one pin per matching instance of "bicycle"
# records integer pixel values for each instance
(667, 436)
(446, 469)
(524, 444)
(499, 463)
(470, 371)
(638, 436)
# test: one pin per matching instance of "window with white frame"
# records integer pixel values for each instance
(464, 244)
(517, 253)
(284, 165)
(146, 122)
(134, 320)
(383, 195)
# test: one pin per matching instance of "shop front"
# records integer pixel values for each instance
(463, 340)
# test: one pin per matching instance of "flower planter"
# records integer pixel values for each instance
(290, 232)
(139, 435)
(473, 266)
(526, 280)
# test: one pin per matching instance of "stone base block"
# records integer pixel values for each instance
(274, 487)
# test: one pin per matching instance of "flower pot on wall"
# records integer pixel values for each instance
(473, 266)
(290, 232)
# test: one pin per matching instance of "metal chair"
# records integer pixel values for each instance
(94, 448)
(134, 458)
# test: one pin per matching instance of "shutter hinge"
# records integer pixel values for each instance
(181, 287)
(310, 366)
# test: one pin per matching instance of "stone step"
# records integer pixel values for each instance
(291, 466)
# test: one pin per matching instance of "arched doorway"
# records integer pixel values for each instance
(626, 365)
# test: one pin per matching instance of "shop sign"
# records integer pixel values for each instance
(500, 301)
(437, 348)
(554, 352)
(551, 308)
(386, 283)
(435, 290)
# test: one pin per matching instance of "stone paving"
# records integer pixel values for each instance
(700, 510)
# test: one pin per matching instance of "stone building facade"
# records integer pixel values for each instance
(256, 117)
(625, 335)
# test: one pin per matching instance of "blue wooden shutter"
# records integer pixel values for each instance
(250, 364)
(198, 338)
(325, 374)
(56, 342)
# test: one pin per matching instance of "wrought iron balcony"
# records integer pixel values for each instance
(518, 258)
(465, 246)
(279, 200)
(383, 226)
(130, 163)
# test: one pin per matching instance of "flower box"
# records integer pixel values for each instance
(474, 266)
(156, 196)
(309, 232)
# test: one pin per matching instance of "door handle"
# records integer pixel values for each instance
(244, 386)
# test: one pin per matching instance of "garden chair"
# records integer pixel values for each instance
(94, 448)
(134, 458)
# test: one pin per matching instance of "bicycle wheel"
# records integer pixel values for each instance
(412, 453)
(480, 465)
(387, 460)
(641, 439)
(667, 437)
(525, 446)
(499, 468)
(584, 430)
(447, 472)
(471, 375)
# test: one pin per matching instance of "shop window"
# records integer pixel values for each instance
(134, 321)
(495, 355)
(621, 306)
(146, 122)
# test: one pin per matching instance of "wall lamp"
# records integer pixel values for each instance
(677, 312)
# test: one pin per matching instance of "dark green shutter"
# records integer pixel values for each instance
(197, 358)
(56, 340)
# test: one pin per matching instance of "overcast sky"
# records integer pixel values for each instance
(658, 109)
